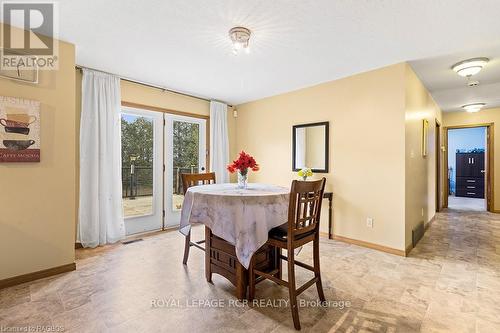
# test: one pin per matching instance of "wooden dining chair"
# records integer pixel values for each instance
(302, 227)
(188, 180)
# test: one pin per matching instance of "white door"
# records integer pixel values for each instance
(142, 169)
(185, 152)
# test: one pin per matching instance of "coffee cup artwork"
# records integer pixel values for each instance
(18, 144)
(19, 130)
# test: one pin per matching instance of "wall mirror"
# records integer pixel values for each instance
(310, 147)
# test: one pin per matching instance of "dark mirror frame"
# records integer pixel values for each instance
(327, 144)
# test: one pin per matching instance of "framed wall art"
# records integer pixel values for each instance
(425, 132)
(19, 130)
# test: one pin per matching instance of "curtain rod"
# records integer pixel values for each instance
(151, 85)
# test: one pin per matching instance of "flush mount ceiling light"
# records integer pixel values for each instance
(474, 107)
(470, 67)
(240, 37)
(472, 83)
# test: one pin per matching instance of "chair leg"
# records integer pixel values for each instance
(187, 246)
(251, 281)
(292, 289)
(279, 263)
(317, 271)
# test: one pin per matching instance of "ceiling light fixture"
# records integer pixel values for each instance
(472, 83)
(474, 107)
(470, 67)
(240, 37)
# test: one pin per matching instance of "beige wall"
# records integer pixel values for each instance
(37, 200)
(367, 148)
(481, 117)
(420, 179)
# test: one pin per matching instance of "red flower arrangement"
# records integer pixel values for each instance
(243, 163)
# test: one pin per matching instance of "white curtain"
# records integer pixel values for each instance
(219, 141)
(100, 215)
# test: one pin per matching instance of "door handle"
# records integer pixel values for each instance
(469, 160)
(473, 160)
(202, 168)
(482, 171)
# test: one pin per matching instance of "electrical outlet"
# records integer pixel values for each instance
(369, 222)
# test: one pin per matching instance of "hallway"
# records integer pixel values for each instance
(450, 282)
(467, 247)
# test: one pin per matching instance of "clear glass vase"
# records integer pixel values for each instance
(242, 179)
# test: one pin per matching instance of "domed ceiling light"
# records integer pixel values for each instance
(470, 67)
(240, 38)
(473, 107)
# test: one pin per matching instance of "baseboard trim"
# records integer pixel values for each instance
(409, 248)
(13, 281)
(369, 245)
(323, 234)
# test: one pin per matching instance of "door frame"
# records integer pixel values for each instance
(437, 133)
(490, 165)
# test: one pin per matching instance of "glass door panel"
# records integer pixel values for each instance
(185, 152)
(142, 164)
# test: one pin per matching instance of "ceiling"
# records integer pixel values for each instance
(184, 45)
(450, 90)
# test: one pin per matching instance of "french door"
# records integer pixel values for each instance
(142, 170)
(156, 149)
(185, 152)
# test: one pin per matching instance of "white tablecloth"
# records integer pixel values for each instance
(243, 217)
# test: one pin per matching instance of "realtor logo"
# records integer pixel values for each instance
(28, 36)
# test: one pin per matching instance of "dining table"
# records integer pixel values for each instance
(237, 223)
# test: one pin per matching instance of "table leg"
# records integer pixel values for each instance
(330, 217)
(241, 282)
(208, 243)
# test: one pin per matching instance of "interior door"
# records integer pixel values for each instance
(185, 152)
(142, 169)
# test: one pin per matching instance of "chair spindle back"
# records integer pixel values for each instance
(193, 179)
(304, 210)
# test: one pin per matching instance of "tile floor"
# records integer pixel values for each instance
(466, 204)
(449, 283)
